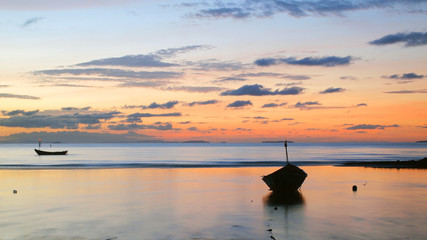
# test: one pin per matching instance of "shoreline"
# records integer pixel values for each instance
(414, 164)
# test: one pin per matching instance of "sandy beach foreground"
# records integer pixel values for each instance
(211, 203)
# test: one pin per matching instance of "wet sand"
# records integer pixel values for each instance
(211, 203)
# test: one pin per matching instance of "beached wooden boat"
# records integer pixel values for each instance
(41, 152)
(287, 179)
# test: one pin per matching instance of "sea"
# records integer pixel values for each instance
(189, 191)
(200, 155)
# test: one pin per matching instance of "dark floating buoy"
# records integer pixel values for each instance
(15, 191)
(354, 188)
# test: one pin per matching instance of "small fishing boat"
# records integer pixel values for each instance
(287, 179)
(41, 152)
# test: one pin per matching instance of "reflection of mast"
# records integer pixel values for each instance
(285, 215)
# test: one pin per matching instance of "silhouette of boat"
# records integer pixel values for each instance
(41, 152)
(287, 179)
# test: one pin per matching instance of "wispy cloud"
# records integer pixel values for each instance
(327, 61)
(239, 104)
(203, 102)
(408, 91)
(9, 95)
(259, 90)
(64, 119)
(371, 126)
(105, 72)
(332, 90)
(304, 105)
(135, 126)
(31, 21)
(19, 112)
(216, 65)
(144, 60)
(412, 39)
(273, 105)
(129, 61)
(404, 78)
(267, 8)
(136, 117)
(167, 105)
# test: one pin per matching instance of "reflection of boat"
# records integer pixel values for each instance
(287, 179)
(41, 152)
(286, 199)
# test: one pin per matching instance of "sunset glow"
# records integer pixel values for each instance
(218, 71)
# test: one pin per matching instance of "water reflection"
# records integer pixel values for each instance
(286, 199)
(284, 215)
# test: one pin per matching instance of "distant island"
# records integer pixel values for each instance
(420, 164)
(424, 141)
(195, 142)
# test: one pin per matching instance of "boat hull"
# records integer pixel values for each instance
(286, 179)
(41, 152)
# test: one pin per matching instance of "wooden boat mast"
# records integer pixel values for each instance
(286, 149)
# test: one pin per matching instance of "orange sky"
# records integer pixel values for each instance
(151, 71)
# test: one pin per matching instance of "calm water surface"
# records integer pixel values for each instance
(205, 155)
(208, 191)
(210, 203)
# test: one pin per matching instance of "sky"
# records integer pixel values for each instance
(217, 71)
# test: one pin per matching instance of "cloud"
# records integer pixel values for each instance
(104, 72)
(136, 117)
(129, 61)
(144, 84)
(265, 62)
(167, 105)
(193, 129)
(245, 76)
(267, 8)
(172, 52)
(144, 60)
(362, 105)
(78, 137)
(408, 91)
(273, 105)
(57, 119)
(332, 90)
(370, 126)
(327, 61)
(230, 79)
(203, 102)
(215, 65)
(405, 78)
(32, 21)
(134, 126)
(19, 112)
(412, 39)
(348, 78)
(307, 104)
(239, 104)
(8, 95)
(259, 90)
